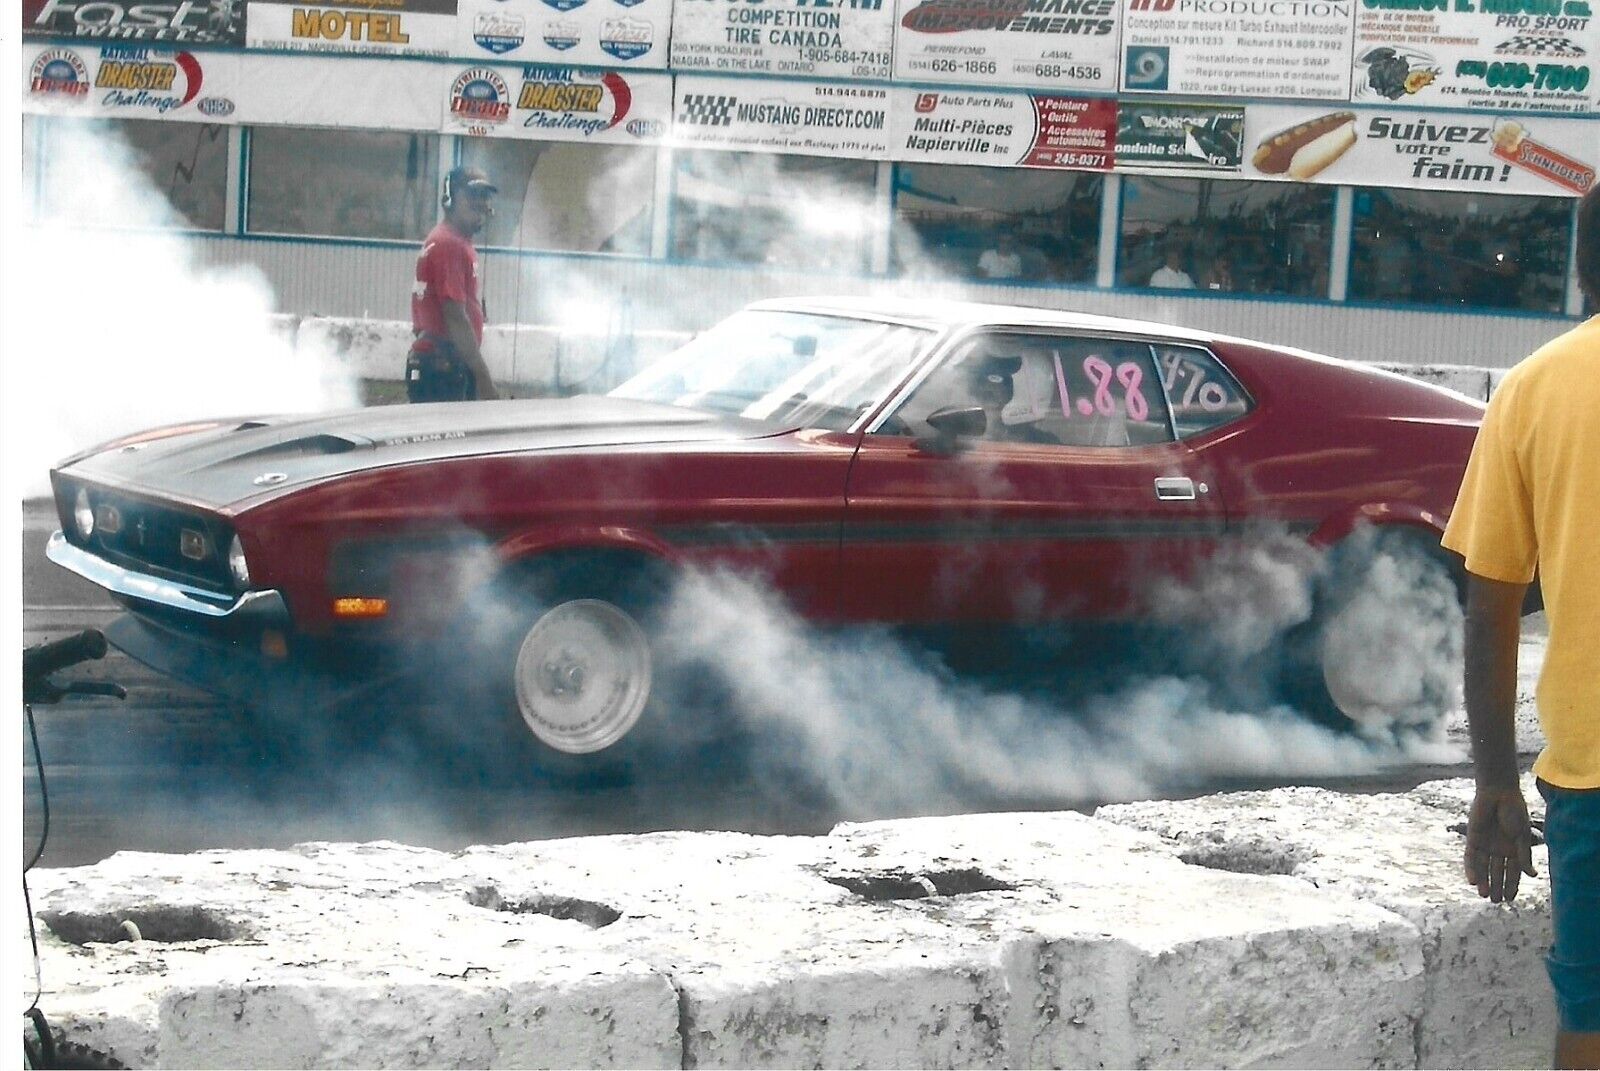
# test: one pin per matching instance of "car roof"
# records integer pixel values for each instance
(941, 314)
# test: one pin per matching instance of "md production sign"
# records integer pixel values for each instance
(1499, 55)
(1461, 151)
(1227, 48)
(609, 33)
(782, 116)
(1039, 44)
(559, 104)
(177, 22)
(824, 38)
(1004, 129)
(384, 27)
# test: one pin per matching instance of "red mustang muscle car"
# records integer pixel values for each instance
(915, 463)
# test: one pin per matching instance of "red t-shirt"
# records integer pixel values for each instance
(447, 270)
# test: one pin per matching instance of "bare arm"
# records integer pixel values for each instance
(459, 329)
(1499, 839)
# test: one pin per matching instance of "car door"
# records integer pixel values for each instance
(1077, 498)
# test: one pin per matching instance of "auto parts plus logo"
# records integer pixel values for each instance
(59, 73)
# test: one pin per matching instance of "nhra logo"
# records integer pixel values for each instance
(626, 38)
(927, 102)
(479, 95)
(134, 78)
(58, 72)
(214, 107)
(498, 33)
(646, 128)
(707, 109)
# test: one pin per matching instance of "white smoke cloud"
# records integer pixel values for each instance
(120, 326)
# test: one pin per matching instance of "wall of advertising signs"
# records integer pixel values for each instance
(1493, 95)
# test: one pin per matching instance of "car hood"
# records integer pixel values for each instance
(227, 463)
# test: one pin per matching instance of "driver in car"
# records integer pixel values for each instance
(993, 387)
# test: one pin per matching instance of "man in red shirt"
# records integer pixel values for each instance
(446, 359)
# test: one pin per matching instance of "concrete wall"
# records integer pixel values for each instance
(1291, 928)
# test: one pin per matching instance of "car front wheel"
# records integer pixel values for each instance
(582, 675)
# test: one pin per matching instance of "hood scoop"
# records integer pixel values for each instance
(323, 445)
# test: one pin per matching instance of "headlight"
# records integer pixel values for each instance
(83, 514)
(237, 565)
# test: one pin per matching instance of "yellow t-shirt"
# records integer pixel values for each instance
(1531, 496)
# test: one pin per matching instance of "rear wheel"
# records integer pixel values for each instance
(1382, 655)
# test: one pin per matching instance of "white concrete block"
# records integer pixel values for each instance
(1463, 379)
(1487, 1002)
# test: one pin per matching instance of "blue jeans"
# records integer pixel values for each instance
(1572, 832)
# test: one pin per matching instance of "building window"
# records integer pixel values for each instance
(1222, 235)
(1460, 250)
(573, 198)
(781, 211)
(184, 164)
(343, 183)
(1030, 226)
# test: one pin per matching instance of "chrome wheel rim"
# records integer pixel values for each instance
(583, 676)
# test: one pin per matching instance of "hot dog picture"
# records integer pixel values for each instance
(1307, 148)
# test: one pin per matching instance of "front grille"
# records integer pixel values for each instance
(162, 540)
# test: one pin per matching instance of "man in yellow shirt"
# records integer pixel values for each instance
(1530, 500)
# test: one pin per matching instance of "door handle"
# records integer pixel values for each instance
(1175, 489)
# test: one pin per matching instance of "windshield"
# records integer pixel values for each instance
(799, 369)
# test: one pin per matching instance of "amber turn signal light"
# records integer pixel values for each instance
(360, 607)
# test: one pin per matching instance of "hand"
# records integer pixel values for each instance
(1499, 843)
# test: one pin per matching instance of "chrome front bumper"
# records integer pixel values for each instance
(256, 607)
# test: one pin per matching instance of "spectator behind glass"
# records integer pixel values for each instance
(1003, 261)
(1171, 276)
(1220, 275)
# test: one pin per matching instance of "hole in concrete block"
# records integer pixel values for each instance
(167, 925)
(568, 908)
(900, 885)
(1246, 855)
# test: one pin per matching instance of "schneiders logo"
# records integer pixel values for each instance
(59, 72)
(479, 95)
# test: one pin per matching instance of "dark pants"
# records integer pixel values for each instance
(437, 375)
(1572, 832)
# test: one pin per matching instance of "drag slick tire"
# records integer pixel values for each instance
(1382, 654)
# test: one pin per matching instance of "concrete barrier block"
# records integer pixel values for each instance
(368, 349)
(1486, 1000)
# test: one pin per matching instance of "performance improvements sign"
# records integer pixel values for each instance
(1038, 44)
(1238, 48)
(825, 38)
(781, 116)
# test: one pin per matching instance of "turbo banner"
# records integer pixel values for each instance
(1037, 44)
(1003, 129)
(1499, 55)
(780, 116)
(1238, 48)
(559, 104)
(380, 27)
(608, 33)
(130, 82)
(847, 39)
(178, 22)
(1190, 137)
(1462, 151)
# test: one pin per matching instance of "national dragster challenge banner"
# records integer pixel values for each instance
(844, 39)
(600, 33)
(129, 82)
(782, 116)
(1238, 48)
(559, 104)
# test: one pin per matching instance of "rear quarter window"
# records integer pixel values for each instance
(1201, 393)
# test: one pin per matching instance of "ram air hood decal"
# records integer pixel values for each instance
(239, 460)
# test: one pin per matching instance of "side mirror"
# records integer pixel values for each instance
(951, 425)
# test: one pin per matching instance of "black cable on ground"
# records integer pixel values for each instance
(44, 835)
